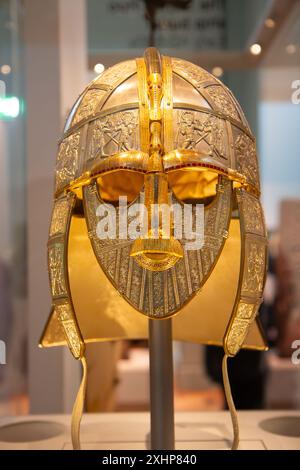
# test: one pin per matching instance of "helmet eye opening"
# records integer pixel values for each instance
(120, 183)
(194, 185)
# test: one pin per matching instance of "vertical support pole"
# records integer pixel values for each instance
(161, 385)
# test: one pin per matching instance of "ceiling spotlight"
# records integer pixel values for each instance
(99, 68)
(270, 23)
(255, 49)
(217, 71)
(290, 49)
(5, 69)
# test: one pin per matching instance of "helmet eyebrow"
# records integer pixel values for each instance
(182, 159)
(132, 160)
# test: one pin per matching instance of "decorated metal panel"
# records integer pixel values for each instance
(58, 272)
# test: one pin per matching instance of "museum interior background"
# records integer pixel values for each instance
(49, 51)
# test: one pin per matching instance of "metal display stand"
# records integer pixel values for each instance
(161, 385)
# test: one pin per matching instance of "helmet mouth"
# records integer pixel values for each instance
(157, 254)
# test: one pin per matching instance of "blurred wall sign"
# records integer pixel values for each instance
(167, 24)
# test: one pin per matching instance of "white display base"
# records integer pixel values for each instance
(194, 430)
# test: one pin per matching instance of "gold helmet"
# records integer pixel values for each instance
(156, 131)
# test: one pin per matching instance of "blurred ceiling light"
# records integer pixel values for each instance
(255, 49)
(5, 69)
(217, 72)
(99, 68)
(291, 49)
(270, 23)
(9, 107)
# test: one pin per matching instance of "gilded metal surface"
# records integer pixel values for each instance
(130, 160)
(252, 271)
(221, 100)
(253, 218)
(184, 118)
(122, 95)
(192, 73)
(113, 133)
(59, 217)
(103, 314)
(217, 95)
(143, 104)
(218, 139)
(158, 131)
(116, 74)
(96, 94)
(67, 160)
(58, 273)
(167, 104)
(69, 324)
(177, 287)
(246, 158)
(201, 132)
(157, 250)
(90, 103)
(218, 131)
(56, 269)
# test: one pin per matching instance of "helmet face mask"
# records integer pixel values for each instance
(158, 132)
(108, 249)
(146, 271)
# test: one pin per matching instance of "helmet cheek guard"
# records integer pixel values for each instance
(156, 132)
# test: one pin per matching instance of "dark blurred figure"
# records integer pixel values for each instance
(267, 311)
(287, 330)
